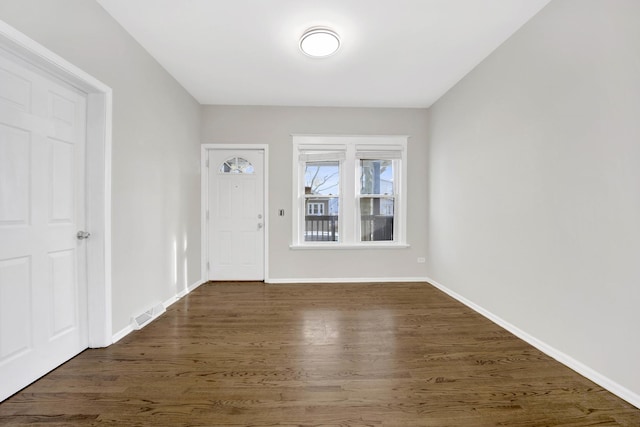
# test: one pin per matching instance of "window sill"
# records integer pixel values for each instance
(339, 246)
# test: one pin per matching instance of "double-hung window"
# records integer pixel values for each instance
(349, 191)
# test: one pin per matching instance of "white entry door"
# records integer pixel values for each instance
(236, 214)
(43, 310)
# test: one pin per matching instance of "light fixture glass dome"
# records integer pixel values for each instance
(319, 42)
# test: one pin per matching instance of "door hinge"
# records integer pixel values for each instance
(207, 265)
(206, 163)
(207, 215)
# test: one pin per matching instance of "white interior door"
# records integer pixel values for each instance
(236, 214)
(43, 313)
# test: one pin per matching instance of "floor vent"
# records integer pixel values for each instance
(145, 318)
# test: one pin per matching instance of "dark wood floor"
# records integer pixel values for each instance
(249, 354)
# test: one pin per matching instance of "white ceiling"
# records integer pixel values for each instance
(394, 53)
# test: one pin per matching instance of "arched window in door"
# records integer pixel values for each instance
(236, 165)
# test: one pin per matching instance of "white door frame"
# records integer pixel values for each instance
(204, 188)
(98, 174)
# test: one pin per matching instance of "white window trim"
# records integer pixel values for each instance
(349, 191)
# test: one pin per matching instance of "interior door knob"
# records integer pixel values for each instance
(83, 235)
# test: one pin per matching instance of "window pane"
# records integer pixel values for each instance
(322, 178)
(376, 176)
(236, 165)
(376, 219)
(321, 219)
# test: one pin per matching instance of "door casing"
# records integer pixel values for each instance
(204, 205)
(98, 174)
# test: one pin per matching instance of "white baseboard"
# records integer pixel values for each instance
(166, 304)
(130, 328)
(186, 291)
(584, 370)
(195, 286)
(121, 334)
(347, 280)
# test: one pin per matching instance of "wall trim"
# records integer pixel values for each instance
(170, 301)
(196, 285)
(582, 369)
(363, 280)
(122, 333)
(189, 289)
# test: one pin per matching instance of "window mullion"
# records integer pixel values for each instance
(301, 202)
(348, 197)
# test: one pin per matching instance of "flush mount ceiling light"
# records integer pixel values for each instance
(319, 42)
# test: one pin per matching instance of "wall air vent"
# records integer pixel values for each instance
(143, 319)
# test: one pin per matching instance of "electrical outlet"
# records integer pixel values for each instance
(421, 260)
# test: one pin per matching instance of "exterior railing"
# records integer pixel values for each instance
(324, 228)
(321, 228)
(374, 228)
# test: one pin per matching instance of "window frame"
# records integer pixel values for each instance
(349, 196)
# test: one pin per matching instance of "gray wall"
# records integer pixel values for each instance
(534, 181)
(274, 126)
(156, 143)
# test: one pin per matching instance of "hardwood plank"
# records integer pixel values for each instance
(249, 354)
